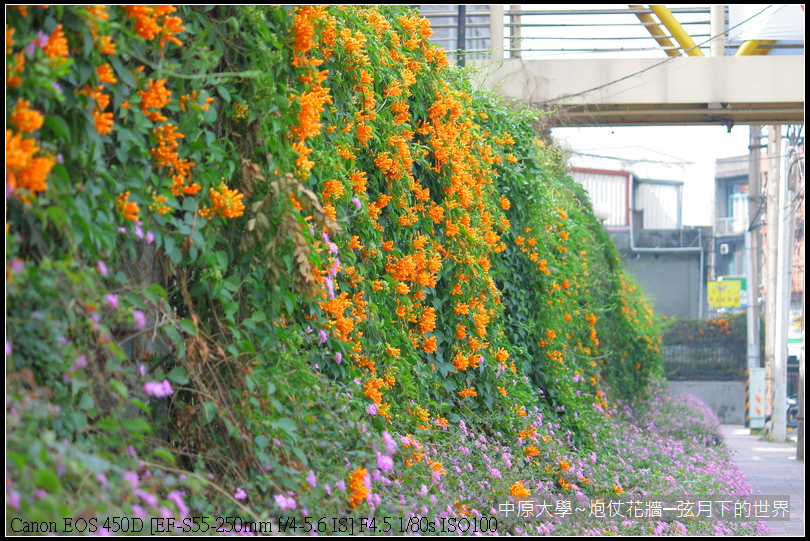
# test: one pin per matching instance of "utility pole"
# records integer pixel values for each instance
(771, 249)
(783, 282)
(752, 243)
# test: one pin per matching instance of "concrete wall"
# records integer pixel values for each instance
(671, 281)
(725, 398)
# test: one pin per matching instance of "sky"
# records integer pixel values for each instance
(686, 153)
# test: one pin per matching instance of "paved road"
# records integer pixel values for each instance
(772, 470)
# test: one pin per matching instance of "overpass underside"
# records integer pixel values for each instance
(644, 91)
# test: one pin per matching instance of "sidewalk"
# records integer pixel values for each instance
(772, 470)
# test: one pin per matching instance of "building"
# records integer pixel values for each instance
(644, 219)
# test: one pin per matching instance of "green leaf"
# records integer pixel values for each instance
(224, 93)
(137, 426)
(46, 478)
(285, 424)
(209, 411)
(165, 454)
(178, 375)
(59, 127)
(119, 388)
(262, 442)
(86, 402)
(188, 326)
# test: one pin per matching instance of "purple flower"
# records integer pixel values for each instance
(322, 336)
(390, 444)
(16, 265)
(338, 357)
(148, 498)
(140, 319)
(40, 494)
(42, 39)
(334, 269)
(138, 231)
(150, 237)
(285, 503)
(240, 494)
(357, 203)
(13, 500)
(159, 390)
(330, 288)
(8, 348)
(102, 268)
(102, 481)
(341, 485)
(112, 301)
(372, 409)
(384, 462)
(333, 248)
(142, 369)
(138, 511)
(132, 477)
(311, 479)
(177, 497)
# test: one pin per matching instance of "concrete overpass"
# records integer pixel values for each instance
(715, 81)
(644, 91)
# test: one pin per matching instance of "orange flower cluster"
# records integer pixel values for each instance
(358, 487)
(23, 169)
(531, 451)
(469, 391)
(519, 490)
(154, 98)
(57, 46)
(24, 119)
(128, 209)
(166, 155)
(148, 23)
(225, 202)
(100, 101)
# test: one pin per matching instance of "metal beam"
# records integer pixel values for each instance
(677, 31)
(655, 31)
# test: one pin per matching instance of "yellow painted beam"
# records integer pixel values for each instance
(753, 47)
(681, 36)
(655, 31)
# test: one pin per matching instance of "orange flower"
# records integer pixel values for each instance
(106, 45)
(157, 96)
(106, 75)
(332, 189)
(430, 345)
(103, 122)
(531, 451)
(226, 203)
(129, 210)
(26, 119)
(469, 391)
(57, 45)
(171, 26)
(505, 203)
(437, 468)
(358, 487)
(427, 323)
(519, 490)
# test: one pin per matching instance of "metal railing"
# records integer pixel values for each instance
(498, 31)
(732, 225)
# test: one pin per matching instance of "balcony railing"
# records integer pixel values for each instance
(730, 226)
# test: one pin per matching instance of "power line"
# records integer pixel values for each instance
(666, 60)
